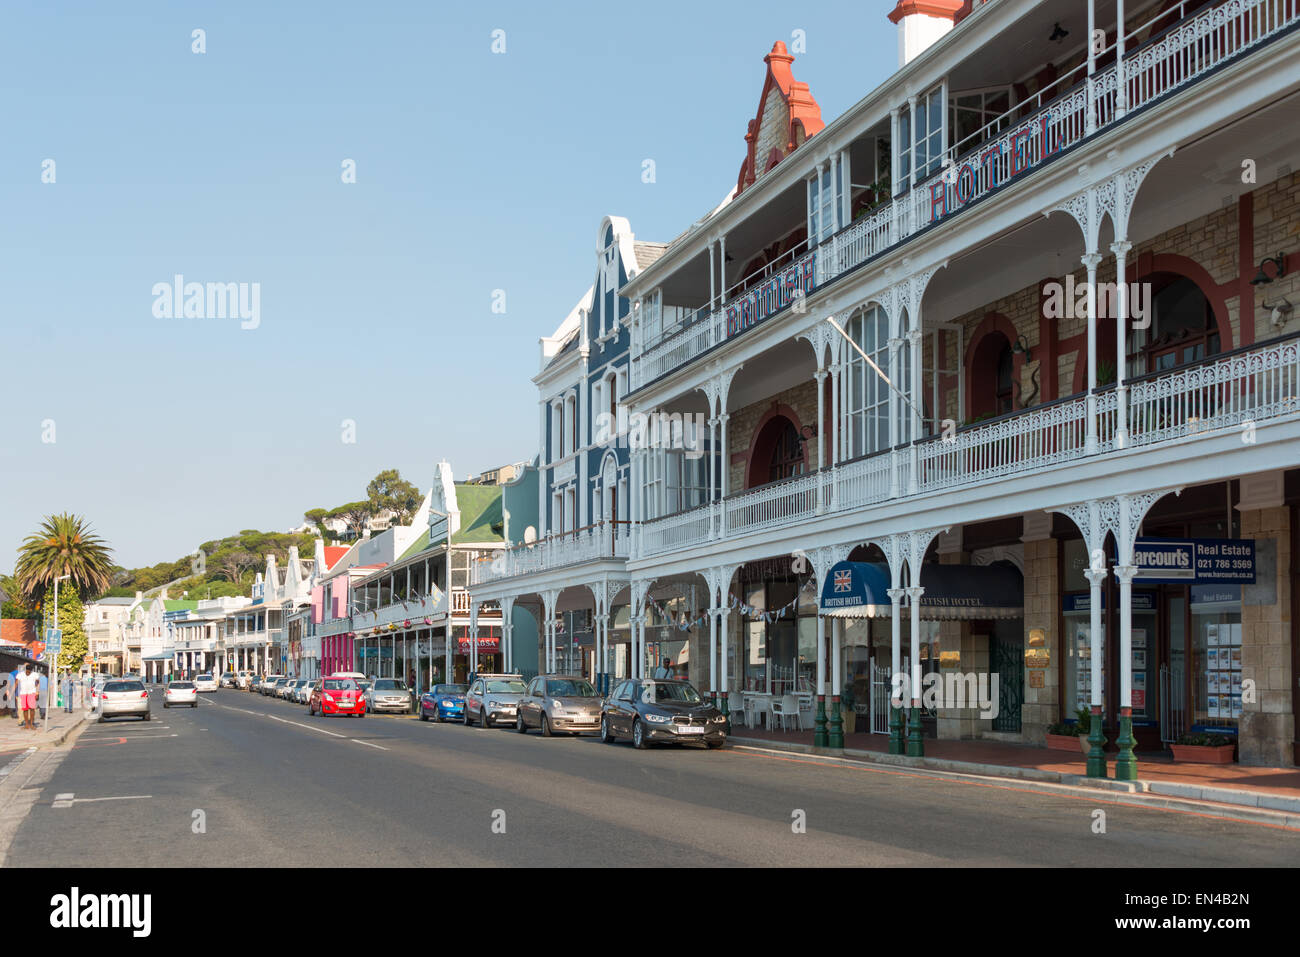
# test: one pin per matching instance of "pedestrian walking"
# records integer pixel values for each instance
(43, 699)
(13, 693)
(67, 693)
(29, 686)
(665, 669)
(5, 689)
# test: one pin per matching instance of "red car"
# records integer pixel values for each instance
(337, 696)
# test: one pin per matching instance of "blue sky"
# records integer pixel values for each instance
(475, 171)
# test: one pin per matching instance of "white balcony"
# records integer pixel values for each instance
(1165, 64)
(1234, 391)
(605, 540)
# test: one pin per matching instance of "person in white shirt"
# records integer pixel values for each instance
(29, 686)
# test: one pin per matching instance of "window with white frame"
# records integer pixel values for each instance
(920, 140)
(976, 116)
(867, 402)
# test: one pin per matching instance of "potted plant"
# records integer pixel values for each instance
(1202, 748)
(1067, 735)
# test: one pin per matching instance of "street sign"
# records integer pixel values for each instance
(53, 641)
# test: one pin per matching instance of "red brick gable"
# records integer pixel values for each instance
(805, 117)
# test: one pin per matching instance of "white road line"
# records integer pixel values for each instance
(67, 800)
(368, 744)
(307, 726)
(16, 761)
(63, 800)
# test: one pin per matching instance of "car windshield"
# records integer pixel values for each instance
(363, 685)
(205, 677)
(565, 688)
(506, 686)
(340, 684)
(451, 689)
(669, 691)
(390, 684)
(181, 684)
(124, 686)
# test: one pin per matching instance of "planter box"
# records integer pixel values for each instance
(1201, 754)
(1067, 742)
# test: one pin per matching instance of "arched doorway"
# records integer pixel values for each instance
(777, 453)
(992, 371)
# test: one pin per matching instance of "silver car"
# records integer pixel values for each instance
(493, 699)
(305, 689)
(558, 703)
(124, 697)
(388, 694)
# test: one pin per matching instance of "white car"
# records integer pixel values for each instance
(244, 680)
(303, 691)
(124, 697)
(181, 692)
(206, 683)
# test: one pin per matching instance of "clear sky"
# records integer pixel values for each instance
(475, 172)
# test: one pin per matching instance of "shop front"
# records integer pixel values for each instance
(485, 659)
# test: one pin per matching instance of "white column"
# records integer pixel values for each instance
(713, 277)
(1125, 575)
(837, 639)
(896, 637)
(1095, 577)
(895, 343)
(724, 622)
(1121, 249)
(914, 594)
(821, 656)
(821, 417)
(1121, 91)
(722, 271)
(713, 650)
(1091, 117)
(1091, 261)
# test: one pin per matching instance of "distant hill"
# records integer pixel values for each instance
(228, 566)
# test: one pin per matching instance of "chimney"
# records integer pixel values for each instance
(921, 23)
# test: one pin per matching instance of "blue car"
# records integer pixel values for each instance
(443, 702)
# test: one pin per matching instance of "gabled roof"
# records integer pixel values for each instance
(332, 555)
(176, 604)
(776, 132)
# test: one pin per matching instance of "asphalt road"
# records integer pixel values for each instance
(276, 787)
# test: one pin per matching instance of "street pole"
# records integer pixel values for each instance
(53, 667)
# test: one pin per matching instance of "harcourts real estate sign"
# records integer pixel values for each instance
(1201, 561)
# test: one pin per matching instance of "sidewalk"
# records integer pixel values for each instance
(15, 740)
(1276, 789)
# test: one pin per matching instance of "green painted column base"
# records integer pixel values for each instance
(1126, 766)
(819, 724)
(915, 740)
(895, 730)
(836, 737)
(1097, 751)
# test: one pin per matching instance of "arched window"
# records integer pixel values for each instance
(787, 452)
(1002, 398)
(1183, 328)
(992, 368)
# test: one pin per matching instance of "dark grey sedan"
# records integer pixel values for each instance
(558, 703)
(660, 712)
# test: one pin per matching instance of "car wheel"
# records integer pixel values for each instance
(605, 734)
(482, 718)
(146, 716)
(423, 716)
(194, 704)
(638, 735)
(464, 717)
(102, 719)
(361, 715)
(546, 726)
(519, 722)
(166, 704)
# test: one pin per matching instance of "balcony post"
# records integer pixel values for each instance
(723, 468)
(914, 390)
(835, 434)
(1121, 84)
(1121, 249)
(835, 731)
(1091, 261)
(819, 722)
(1090, 121)
(894, 485)
(915, 740)
(819, 504)
(713, 650)
(896, 666)
(1096, 739)
(1126, 768)
(724, 620)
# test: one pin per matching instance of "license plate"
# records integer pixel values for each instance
(688, 729)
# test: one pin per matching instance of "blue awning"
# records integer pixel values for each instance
(952, 592)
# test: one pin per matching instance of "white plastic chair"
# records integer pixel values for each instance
(736, 708)
(786, 708)
(806, 712)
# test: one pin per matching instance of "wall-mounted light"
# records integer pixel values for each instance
(1021, 348)
(1262, 278)
(1058, 35)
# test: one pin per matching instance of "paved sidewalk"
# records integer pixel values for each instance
(1268, 788)
(14, 739)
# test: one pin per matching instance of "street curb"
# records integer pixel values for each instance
(1169, 792)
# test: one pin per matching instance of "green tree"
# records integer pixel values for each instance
(388, 490)
(72, 622)
(316, 516)
(354, 516)
(64, 545)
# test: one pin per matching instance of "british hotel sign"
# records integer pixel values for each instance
(772, 295)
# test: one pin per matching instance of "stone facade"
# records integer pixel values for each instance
(742, 428)
(1042, 605)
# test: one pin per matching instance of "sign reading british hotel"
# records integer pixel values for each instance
(797, 279)
(1205, 561)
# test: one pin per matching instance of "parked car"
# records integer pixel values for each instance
(337, 696)
(660, 711)
(228, 679)
(283, 688)
(388, 694)
(443, 702)
(268, 684)
(305, 689)
(244, 679)
(559, 703)
(206, 682)
(493, 699)
(124, 697)
(181, 692)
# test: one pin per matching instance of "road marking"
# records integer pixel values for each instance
(307, 726)
(368, 744)
(67, 800)
(63, 800)
(16, 761)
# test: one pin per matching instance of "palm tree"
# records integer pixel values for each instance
(64, 545)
